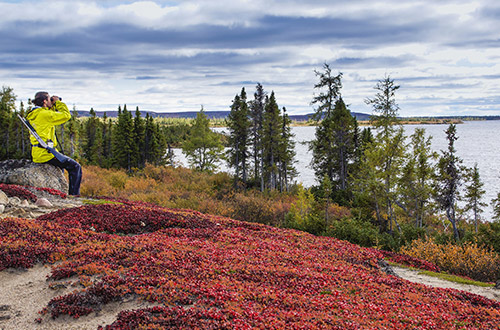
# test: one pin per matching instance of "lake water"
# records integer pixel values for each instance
(478, 142)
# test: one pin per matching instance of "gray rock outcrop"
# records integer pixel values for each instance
(386, 268)
(4, 199)
(26, 173)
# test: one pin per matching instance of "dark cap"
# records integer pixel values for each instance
(39, 98)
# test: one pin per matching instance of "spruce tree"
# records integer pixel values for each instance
(124, 143)
(329, 87)
(271, 142)
(97, 149)
(7, 107)
(449, 179)
(384, 157)
(159, 147)
(334, 146)
(238, 124)
(415, 183)
(73, 129)
(495, 203)
(139, 146)
(362, 143)
(257, 106)
(287, 154)
(19, 146)
(335, 143)
(385, 116)
(155, 142)
(474, 193)
(22, 136)
(91, 131)
(345, 127)
(148, 137)
(107, 129)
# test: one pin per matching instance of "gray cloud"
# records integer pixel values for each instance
(209, 50)
(269, 31)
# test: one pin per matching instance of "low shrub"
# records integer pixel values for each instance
(489, 235)
(261, 209)
(117, 180)
(94, 182)
(355, 231)
(468, 259)
(188, 189)
(311, 223)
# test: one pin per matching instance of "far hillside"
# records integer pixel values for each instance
(305, 117)
(209, 114)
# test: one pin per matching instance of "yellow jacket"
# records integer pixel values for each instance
(44, 121)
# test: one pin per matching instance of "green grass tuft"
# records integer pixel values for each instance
(456, 279)
(99, 202)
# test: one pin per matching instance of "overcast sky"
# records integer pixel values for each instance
(170, 56)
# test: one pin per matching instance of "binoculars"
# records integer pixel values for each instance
(52, 99)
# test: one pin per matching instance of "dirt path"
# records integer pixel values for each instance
(24, 293)
(414, 276)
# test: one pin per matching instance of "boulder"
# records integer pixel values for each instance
(4, 199)
(497, 286)
(14, 201)
(26, 173)
(386, 268)
(43, 202)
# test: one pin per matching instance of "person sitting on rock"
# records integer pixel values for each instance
(48, 113)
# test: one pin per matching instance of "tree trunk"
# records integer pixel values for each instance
(475, 215)
(381, 222)
(450, 214)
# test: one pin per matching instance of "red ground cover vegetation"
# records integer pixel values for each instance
(209, 272)
(17, 191)
(52, 191)
(23, 192)
(409, 261)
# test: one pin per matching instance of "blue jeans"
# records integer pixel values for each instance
(75, 173)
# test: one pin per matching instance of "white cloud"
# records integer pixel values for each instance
(174, 56)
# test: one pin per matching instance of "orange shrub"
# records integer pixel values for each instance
(187, 189)
(140, 184)
(338, 212)
(259, 209)
(468, 259)
(93, 182)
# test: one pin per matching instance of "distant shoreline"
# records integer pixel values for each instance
(302, 120)
(402, 122)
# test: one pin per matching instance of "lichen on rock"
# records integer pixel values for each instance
(26, 173)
